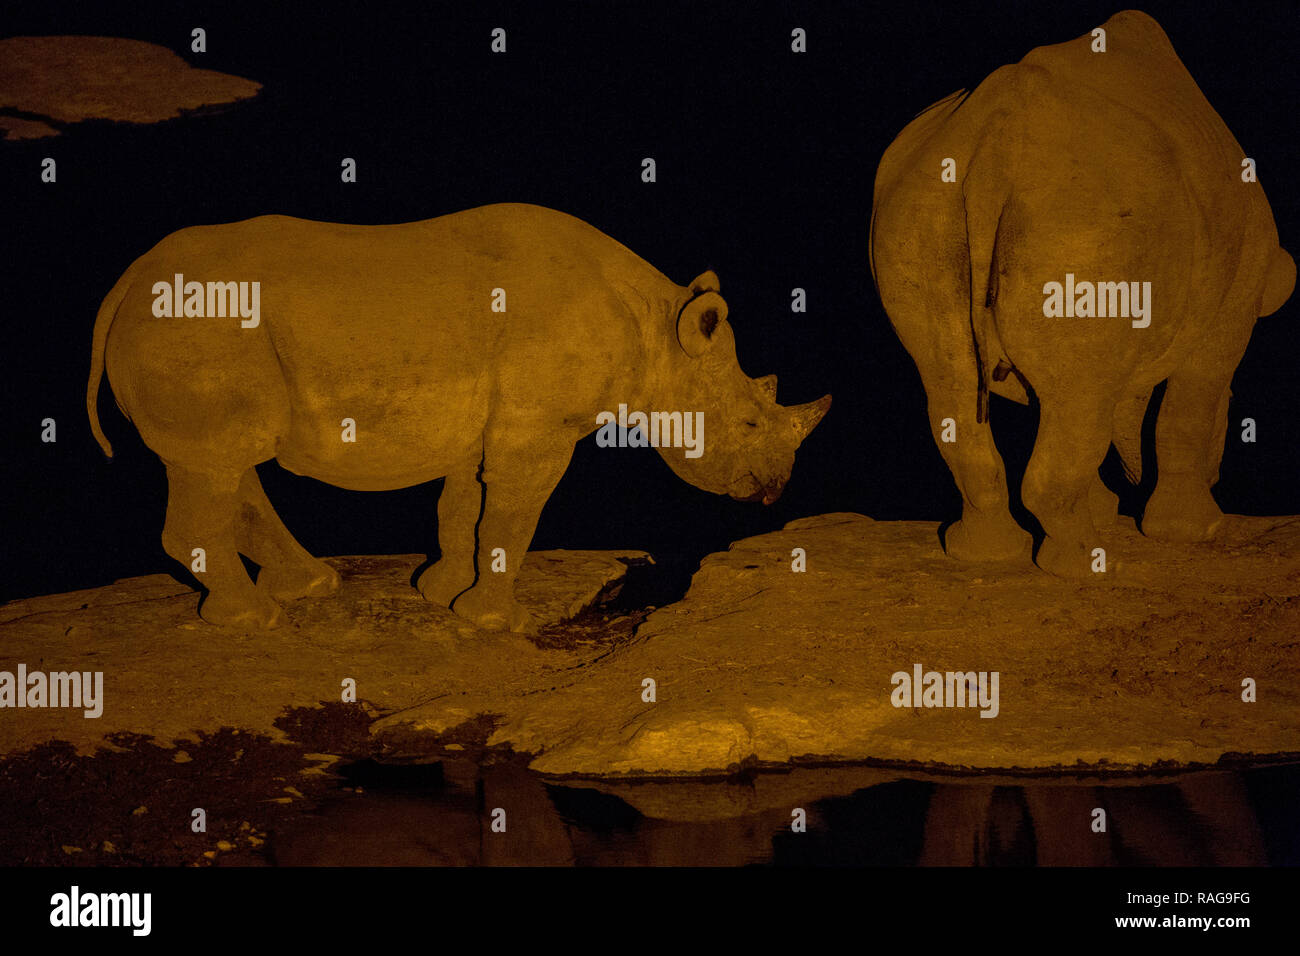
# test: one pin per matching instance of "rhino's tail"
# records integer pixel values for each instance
(987, 189)
(104, 319)
(983, 228)
(1126, 431)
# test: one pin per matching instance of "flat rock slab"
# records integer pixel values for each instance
(169, 674)
(1140, 666)
(62, 80)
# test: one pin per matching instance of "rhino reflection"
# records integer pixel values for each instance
(1201, 820)
(452, 828)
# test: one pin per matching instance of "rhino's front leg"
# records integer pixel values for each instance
(518, 479)
(459, 507)
(1189, 446)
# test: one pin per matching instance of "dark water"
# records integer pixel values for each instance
(442, 815)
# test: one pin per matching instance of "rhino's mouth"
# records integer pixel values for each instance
(750, 488)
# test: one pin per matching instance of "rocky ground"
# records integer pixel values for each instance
(49, 83)
(758, 663)
(761, 664)
(757, 666)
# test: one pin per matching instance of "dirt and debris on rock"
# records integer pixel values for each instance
(252, 749)
(62, 808)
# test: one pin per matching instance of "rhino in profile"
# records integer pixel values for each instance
(393, 328)
(1106, 167)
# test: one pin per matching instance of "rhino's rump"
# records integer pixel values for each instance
(1111, 166)
(1114, 177)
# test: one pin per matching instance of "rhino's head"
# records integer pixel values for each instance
(749, 440)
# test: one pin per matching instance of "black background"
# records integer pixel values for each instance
(765, 162)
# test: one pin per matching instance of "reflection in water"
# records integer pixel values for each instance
(1199, 820)
(443, 815)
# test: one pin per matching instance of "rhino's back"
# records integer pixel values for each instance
(412, 295)
(537, 251)
(392, 326)
(1131, 121)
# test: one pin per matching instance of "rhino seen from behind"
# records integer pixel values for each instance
(1098, 231)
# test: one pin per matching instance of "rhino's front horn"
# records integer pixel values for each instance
(805, 417)
(768, 384)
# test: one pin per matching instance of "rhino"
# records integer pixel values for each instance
(1099, 162)
(478, 347)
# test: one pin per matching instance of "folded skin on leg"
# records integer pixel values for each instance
(459, 507)
(201, 513)
(518, 478)
(1189, 446)
(1059, 485)
(986, 530)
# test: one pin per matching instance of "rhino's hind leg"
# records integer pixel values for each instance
(202, 513)
(518, 479)
(459, 507)
(1189, 446)
(1061, 482)
(1103, 504)
(288, 571)
(986, 530)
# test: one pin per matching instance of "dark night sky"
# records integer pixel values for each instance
(765, 163)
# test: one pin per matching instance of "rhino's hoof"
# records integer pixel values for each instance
(257, 612)
(1073, 562)
(1181, 528)
(1180, 531)
(977, 541)
(440, 586)
(288, 583)
(1182, 513)
(494, 616)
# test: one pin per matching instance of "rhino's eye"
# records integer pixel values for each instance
(752, 424)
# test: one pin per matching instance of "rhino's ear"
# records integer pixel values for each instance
(705, 282)
(698, 322)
